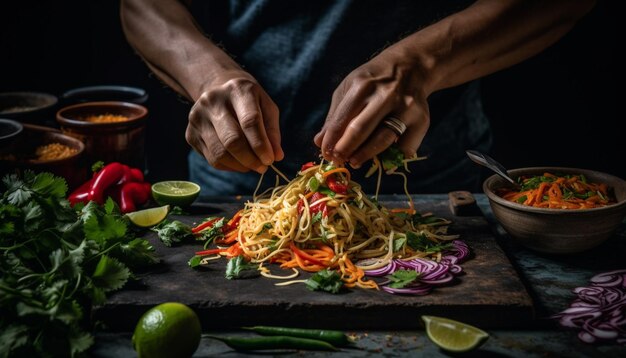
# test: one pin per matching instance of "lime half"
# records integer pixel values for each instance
(453, 336)
(171, 329)
(175, 192)
(148, 217)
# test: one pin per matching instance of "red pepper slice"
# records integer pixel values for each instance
(204, 225)
(319, 207)
(314, 209)
(335, 186)
(232, 223)
(209, 252)
(306, 166)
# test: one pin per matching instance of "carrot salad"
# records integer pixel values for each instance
(559, 192)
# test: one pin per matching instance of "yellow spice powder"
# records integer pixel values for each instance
(105, 118)
(54, 151)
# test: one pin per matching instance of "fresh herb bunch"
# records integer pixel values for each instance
(56, 263)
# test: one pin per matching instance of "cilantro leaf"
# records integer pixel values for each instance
(237, 266)
(57, 262)
(172, 232)
(110, 274)
(325, 280)
(392, 158)
(422, 243)
(402, 278)
(194, 261)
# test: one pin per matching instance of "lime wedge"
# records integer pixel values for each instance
(148, 217)
(175, 192)
(453, 336)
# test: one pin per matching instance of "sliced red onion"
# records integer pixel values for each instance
(431, 273)
(599, 312)
(419, 290)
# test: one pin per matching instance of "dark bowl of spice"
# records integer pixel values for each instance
(104, 93)
(112, 131)
(45, 149)
(27, 106)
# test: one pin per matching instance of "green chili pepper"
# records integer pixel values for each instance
(274, 342)
(336, 338)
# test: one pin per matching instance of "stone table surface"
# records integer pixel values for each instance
(550, 280)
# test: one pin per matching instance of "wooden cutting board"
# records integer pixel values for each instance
(489, 294)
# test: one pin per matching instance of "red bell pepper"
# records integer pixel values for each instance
(204, 225)
(315, 208)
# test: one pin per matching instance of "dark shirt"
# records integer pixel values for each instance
(300, 51)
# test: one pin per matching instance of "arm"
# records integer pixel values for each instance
(488, 36)
(233, 122)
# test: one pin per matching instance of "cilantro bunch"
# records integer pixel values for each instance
(56, 263)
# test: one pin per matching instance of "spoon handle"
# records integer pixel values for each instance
(487, 161)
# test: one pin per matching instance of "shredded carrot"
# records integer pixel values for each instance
(559, 192)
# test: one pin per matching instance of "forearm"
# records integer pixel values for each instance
(167, 38)
(486, 37)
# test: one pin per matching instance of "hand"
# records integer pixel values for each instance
(234, 124)
(388, 85)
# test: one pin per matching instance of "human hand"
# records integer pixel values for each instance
(386, 86)
(234, 124)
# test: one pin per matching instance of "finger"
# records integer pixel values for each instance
(361, 127)
(235, 142)
(197, 135)
(271, 121)
(381, 139)
(217, 155)
(250, 117)
(412, 139)
(319, 137)
(347, 106)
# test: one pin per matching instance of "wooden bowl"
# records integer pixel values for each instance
(22, 157)
(122, 142)
(27, 106)
(558, 231)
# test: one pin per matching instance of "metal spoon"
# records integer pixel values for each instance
(489, 162)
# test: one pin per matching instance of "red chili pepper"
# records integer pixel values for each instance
(335, 186)
(81, 194)
(132, 194)
(106, 177)
(136, 175)
(306, 166)
(204, 225)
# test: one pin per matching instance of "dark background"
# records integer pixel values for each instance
(557, 108)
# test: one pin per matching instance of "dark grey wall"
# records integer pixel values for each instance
(558, 108)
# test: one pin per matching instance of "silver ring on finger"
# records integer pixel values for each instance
(395, 124)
